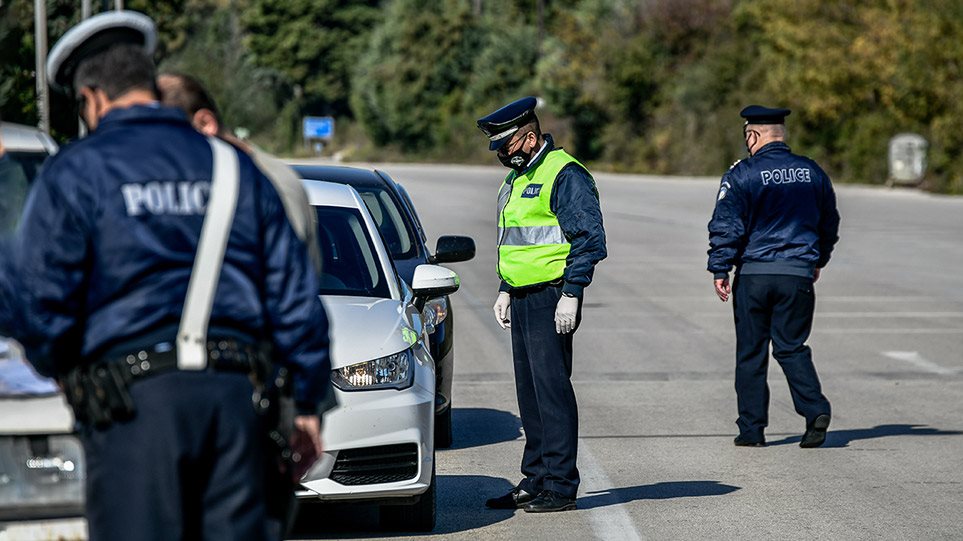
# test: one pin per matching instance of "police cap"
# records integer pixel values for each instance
(500, 125)
(757, 114)
(93, 36)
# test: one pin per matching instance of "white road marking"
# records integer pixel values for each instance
(891, 314)
(890, 332)
(873, 298)
(609, 522)
(817, 331)
(710, 297)
(856, 315)
(914, 358)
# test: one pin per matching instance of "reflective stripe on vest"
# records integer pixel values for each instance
(532, 235)
(532, 248)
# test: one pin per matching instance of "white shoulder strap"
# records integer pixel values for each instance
(192, 334)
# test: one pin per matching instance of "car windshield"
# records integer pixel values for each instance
(390, 220)
(350, 263)
(17, 170)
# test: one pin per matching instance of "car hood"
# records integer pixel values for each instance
(365, 328)
(29, 404)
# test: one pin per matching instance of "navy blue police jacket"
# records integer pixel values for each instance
(575, 202)
(106, 245)
(775, 214)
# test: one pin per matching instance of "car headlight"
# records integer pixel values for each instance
(391, 372)
(41, 476)
(436, 311)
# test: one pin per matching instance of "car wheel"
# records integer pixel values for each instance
(417, 517)
(443, 437)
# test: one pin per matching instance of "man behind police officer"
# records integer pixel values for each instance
(776, 221)
(105, 253)
(550, 237)
(188, 94)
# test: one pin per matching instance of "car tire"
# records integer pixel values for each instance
(417, 517)
(443, 436)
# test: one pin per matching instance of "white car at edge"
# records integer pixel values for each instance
(378, 441)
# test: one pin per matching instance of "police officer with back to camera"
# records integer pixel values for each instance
(156, 267)
(776, 221)
(550, 238)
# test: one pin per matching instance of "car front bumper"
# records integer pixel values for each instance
(378, 444)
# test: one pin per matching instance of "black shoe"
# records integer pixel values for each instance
(815, 433)
(515, 499)
(745, 441)
(549, 501)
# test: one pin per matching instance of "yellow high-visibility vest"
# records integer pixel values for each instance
(531, 245)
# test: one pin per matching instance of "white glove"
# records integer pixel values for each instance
(565, 314)
(502, 308)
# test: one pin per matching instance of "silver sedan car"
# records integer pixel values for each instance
(379, 441)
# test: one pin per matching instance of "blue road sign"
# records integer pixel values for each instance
(318, 127)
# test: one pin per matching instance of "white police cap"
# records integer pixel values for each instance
(96, 35)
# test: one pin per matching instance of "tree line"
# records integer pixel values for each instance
(650, 86)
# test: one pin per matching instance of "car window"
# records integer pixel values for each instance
(349, 261)
(17, 171)
(389, 218)
(413, 212)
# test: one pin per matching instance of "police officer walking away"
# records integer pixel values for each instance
(155, 266)
(776, 221)
(550, 238)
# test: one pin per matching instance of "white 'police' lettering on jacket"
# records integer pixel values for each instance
(178, 198)
(785, 176)
(532, 190)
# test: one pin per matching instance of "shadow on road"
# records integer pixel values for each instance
(460, 507)
(657, 491)
(842, 438)
(475, 427)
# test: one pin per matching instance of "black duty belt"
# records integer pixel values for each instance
(534, 288)
(227, 355)
(99, 392)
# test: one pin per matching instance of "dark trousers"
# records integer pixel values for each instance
(546, 400)
(188, 466)
(777, 309)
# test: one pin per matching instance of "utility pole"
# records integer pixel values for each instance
(540, 14)
(40, 43)
(85, 12)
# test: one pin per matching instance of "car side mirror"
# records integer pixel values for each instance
(434, 281)
(454, 248)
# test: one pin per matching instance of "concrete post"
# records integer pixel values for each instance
(40, 42)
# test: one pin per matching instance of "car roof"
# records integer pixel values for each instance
(331, 194)
(354, 176)
(20, 138)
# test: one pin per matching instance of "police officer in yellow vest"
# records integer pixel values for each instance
(550, 238)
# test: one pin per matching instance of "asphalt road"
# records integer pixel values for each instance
(654, 377)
